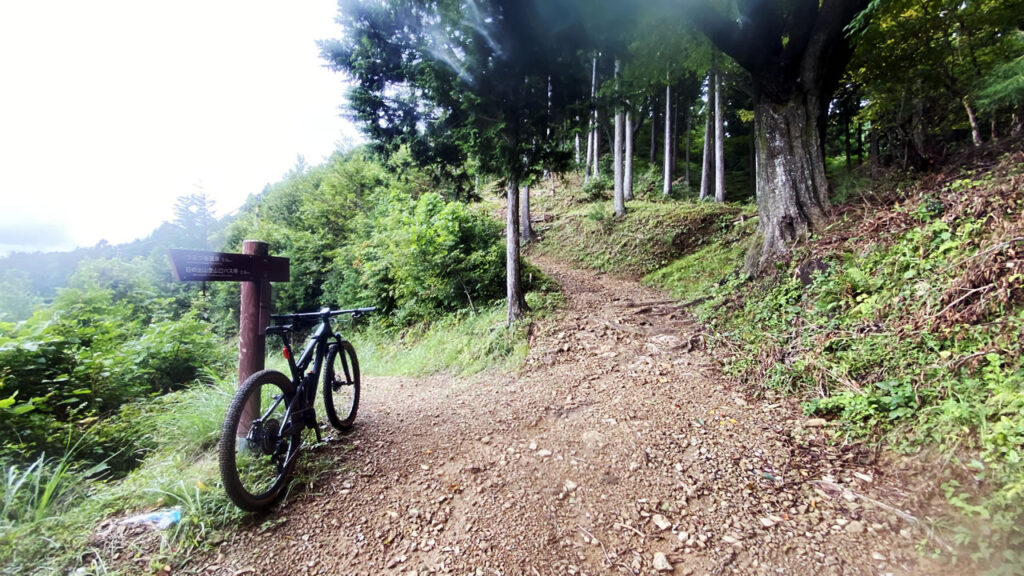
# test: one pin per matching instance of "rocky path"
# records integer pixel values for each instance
(618, 449)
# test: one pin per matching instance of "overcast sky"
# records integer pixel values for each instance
(109, 110)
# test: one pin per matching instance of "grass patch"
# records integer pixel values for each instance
(461, 344)
(649, 237)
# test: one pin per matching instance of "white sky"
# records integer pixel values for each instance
(110, 110)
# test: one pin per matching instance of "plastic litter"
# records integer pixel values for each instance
(159, 519)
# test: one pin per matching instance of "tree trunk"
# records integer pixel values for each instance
(705, 171)
(686, 149)
(1017, 125)
(719, 142)
(846, 142)
(620, 200)
(975, 127)
(595, 170)
(627, 177)
(525, 230)
(675, 133)
(513, 271)
(654, 129)
(667, 188)
(792, 191)
(577, 157)
(860, 143)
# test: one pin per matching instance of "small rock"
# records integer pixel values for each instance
(684, 537)
(661, 563)
(533, 446)
(571, 486)
(815, 423)
(485, 439)
(879, 557)
(543, 453)
(855, 527)
(661, 522)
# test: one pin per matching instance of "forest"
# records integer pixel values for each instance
(833, 190)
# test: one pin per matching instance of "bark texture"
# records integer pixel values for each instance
(627, 168)
(719, 142)
(620, 199)
(705, 171)
(525, 230)
(516, 298)
(667, 188)
(792, 191)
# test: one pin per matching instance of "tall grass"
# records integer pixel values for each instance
(460, 344)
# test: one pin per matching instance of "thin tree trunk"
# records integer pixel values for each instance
(719, 141)
(675, 133)
(705, 171)
(846, 142)
(975, 127)
(595, 171)
(667, 187)
(516, 299)
(686, 149)
(577, 142)
(654, 130)
(525, 230)
(627, 177)
(620, 199)
(587, 172)
(1017, 125)
(860, 143)
(994, 129)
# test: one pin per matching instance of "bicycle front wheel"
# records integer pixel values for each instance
(341, 385)
(259, 442)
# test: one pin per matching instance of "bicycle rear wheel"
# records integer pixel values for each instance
(255, 463)
(341, 385)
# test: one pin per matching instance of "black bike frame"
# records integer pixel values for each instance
(314, 352)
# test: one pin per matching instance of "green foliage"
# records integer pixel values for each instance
(107, 340)
(426, 257)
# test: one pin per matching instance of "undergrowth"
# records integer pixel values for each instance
(649, 237)
(903, 321)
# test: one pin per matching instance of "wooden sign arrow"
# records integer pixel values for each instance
(203, 266)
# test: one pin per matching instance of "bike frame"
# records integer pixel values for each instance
(314, 353)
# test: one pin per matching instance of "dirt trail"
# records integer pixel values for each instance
(618, 449)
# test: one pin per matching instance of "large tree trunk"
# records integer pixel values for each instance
(525, 229)
(719, 142)
(667, 188)
(513, 271)
(627, 177)
(792, 191)
(796, 54)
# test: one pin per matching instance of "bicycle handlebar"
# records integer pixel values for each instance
(323, 313)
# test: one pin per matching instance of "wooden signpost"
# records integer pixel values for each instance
(255, 268)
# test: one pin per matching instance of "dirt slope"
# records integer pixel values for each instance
(618, 449)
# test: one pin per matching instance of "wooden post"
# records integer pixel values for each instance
(253, 318)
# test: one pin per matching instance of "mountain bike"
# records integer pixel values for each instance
(262, 431)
